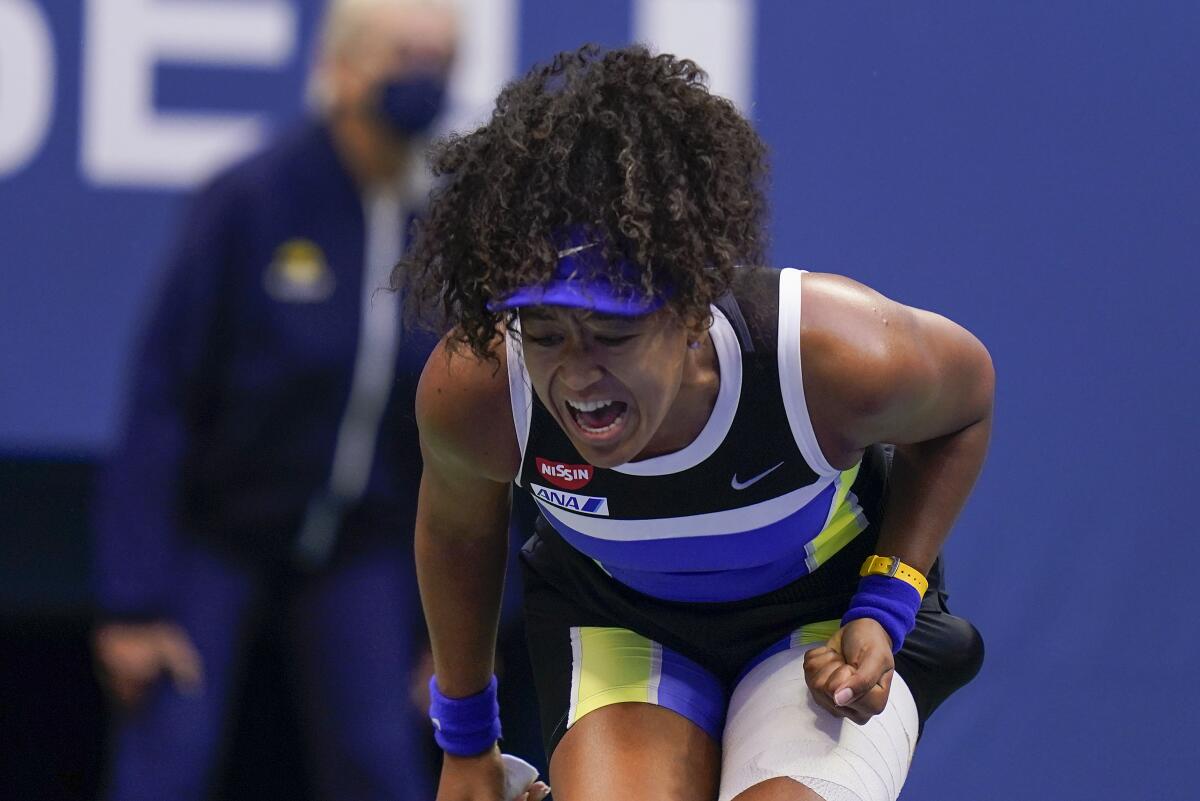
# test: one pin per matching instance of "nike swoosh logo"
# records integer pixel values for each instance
(741, 485)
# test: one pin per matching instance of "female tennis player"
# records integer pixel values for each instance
(733, 590)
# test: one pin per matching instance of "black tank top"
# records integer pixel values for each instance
(748, 507)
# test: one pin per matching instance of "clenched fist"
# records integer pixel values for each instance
(851, 675)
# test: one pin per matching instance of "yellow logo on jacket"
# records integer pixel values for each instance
(299, 273)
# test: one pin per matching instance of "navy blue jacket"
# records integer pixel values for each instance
(243, 376)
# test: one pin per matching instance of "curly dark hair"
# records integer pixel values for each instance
(621, 142)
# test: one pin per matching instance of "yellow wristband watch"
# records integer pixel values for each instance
(892, 567)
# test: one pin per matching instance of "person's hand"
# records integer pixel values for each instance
(851, 675)
(132, 656)
(480, 778)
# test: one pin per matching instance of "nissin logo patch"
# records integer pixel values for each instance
(567, 476)
(572, 502)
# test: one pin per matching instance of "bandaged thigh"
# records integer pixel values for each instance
(774, 729)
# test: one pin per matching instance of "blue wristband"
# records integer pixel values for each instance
(890, 602)
(465, 726)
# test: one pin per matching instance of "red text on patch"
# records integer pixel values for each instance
(567, 476)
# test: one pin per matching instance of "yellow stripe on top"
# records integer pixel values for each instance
(846, 521)
(611, 666)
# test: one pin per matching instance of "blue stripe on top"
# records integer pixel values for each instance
(717, 567)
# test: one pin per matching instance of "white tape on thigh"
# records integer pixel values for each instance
(775, 729)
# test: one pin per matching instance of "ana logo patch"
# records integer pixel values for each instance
(584, 504)
(567, 476)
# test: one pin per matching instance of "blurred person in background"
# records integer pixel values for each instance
(269, 457)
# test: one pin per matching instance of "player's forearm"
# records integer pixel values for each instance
(461, 581)
(927, 488)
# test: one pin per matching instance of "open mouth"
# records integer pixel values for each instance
(598, 419)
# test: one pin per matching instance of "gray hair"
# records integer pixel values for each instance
(341, 26)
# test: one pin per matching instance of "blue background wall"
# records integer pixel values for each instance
(1029, 169)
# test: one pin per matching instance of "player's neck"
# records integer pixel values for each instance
(693, 405)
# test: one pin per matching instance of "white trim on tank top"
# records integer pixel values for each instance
(520, 391)
(791, 376)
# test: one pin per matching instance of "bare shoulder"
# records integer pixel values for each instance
(855, 342)
(464, 415)
(840, 311)
(868, 360)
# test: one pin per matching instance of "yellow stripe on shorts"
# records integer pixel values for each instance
(820, 632)
(611, 666)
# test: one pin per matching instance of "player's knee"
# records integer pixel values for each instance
(944, 656)
(963, 654)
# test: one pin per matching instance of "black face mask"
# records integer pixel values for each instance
(409, 105)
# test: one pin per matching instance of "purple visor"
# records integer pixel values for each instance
(584, 280)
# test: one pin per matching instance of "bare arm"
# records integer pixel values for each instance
(461, 544)
(878, 371)
(471, 454)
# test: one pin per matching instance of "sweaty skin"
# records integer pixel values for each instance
(874, 371)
